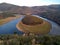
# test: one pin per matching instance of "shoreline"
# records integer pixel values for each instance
(6, 20)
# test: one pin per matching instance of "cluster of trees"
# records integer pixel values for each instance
(27, 40)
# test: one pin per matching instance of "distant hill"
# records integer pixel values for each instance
(51, 12)
(25, 9)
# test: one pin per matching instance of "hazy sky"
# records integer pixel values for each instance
(31, 2)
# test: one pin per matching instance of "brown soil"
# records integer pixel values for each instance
(31, 20)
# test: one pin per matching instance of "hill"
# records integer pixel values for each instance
(51, 12)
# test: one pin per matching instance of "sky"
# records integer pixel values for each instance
(31, 2)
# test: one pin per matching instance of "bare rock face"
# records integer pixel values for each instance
(33, 24)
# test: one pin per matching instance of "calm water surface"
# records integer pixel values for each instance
(10, 27)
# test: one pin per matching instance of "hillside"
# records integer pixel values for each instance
(51, 12)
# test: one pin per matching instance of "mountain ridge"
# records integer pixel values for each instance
(51, 12)
(15, 8)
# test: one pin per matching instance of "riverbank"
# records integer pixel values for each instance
(12, 27)
(6, 20)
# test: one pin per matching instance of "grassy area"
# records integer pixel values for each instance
(42, 28)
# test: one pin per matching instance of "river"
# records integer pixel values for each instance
(10, 27)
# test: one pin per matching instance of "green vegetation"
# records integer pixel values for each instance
(27, 40)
